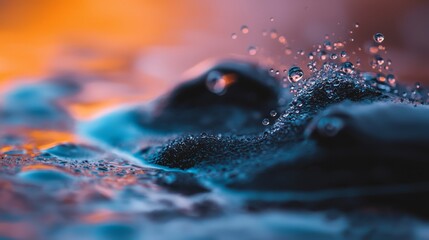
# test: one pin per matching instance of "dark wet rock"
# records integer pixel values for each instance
(251, 94)
(204, 151)
(180, 182)
(193, 108)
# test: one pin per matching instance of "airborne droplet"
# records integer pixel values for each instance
(379, 60)
(252, 50)
(391, 80)
(217, 82)
(244, 29)
(265, 121)
(378, 37)
(347, 67)
(295, 74)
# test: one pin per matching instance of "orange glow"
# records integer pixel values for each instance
(83, 111)
(99, 216)
(37, 167)
(46, 138)
(32, 32)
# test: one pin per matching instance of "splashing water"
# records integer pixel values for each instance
(107, 188)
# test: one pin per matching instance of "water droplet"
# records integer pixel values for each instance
(417, 85)
(391, 80)
(273, 34)
(334, 56)
(343, 54)
(217, 82)
(265, 121)
(378, 37)
(271, 19)
(234, 36)
(295, 74)
(379, 60)
(282, 40)
(244, 29)
(322, 55)
(273, 113)
(328, 45)
(347, 67)
(381, 78)
(356, 25)
(252, 50)
(330, 126)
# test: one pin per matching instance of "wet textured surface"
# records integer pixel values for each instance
(228, 154)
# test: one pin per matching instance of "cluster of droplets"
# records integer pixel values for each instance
(332, 55)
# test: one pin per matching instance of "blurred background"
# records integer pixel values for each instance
(148, 44)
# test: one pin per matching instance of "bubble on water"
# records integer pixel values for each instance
(273, 113)
(378, 37)
(311, 56)
(217, 82)
(334, 56)
(295, 74)
(234, 36)
(391, 80)
(347, 67)
(252, 50)
(265, 121)
(389, 62)
(343, 54)
(244, 29)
